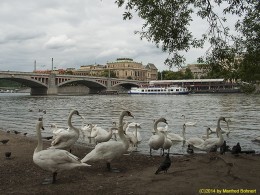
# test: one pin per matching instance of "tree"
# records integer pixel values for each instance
(107, 73)
(166, 23)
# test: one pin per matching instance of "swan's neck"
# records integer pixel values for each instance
(155, 127)
(183, 132)
(70, 124)
(121, 132)
(39, 137)
(218, 130)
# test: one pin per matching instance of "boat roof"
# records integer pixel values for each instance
(186, 81)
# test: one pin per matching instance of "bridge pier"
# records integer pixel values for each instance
(52, 86)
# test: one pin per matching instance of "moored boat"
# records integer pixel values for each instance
(171, 90)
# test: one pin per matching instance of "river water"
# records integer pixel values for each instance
(20, 111)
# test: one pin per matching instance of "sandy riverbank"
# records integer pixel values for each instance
(189, 174)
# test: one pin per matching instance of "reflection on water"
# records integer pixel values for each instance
(20, 112)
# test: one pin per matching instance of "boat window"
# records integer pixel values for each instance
(177, 89)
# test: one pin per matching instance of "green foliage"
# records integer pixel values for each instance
(170, 75)
(9, 83)
(167, 22)
(107, 73)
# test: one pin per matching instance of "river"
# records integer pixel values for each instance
(20, 111)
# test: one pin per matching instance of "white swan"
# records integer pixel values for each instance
(55, 130)
(167, 143)
(204, 137)
(137, 134)
(156, 141)
(188, 123)
(103, 135)
(257, 139)
(132, 139)
(53, 160)
(108, 151)
(193, 140)
(176, 137)
(209, 143)
(65, 140)
(223, 131)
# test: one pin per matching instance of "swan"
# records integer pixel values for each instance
(137, 134)
(131, 138)
(56, 130)
(188, 123)
(156, 141)
(194, 141)
(103, 135)
(176, 137)
(167, 143)
(53, 160)
(207, 134)
(209, 143)
(66, 139)
(108, 151)
(223, 131)
(257, 139)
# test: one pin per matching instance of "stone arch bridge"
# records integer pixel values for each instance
(49, 84)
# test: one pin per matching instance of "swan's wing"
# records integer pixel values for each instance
(62, 137)
(105, 151)
(57, 156)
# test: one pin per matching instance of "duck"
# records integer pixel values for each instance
(236, 149)
(65, 140)
(111, 150)
(209, 143)
(156, 141)
(190, 149)
(224, 148)
(53, 160)
(4, 141)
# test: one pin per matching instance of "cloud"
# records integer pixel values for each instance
(74, 33)
(60, 42)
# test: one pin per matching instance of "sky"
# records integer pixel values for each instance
(74, 33)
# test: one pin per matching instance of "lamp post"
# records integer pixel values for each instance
(51, 64)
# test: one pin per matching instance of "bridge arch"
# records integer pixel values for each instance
(37, 87)
(93, 86)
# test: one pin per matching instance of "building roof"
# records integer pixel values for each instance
(150, 66)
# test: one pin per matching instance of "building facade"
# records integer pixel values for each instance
(122, 68)
(196, 70)
(126, 68)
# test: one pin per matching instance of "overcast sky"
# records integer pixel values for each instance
(73, 33)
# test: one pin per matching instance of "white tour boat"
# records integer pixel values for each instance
(172, 90)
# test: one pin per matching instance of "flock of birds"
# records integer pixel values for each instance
(58, 156)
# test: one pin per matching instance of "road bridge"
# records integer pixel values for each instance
(49, 84)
